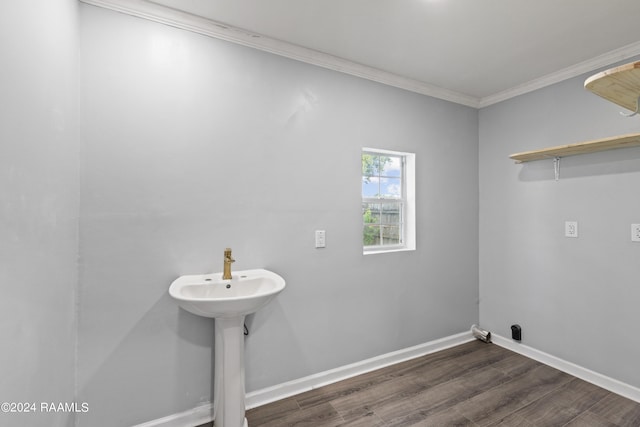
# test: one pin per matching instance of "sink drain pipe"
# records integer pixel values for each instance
(481, 334)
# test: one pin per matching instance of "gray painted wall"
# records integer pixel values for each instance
(576, 299)
(192, 144)
(39, 199)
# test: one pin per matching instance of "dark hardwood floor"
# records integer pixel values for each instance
(474, 384)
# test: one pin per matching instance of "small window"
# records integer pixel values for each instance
(388, 210)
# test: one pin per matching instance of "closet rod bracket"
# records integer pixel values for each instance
(635, 112)
(556, 167)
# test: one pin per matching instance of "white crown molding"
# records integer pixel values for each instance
(186, 21)
(575, 70)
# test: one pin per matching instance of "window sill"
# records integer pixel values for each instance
(386, 251)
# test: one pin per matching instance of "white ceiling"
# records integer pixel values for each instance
(479, 49)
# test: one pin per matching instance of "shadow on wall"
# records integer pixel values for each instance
(124, 360)
(626, 160)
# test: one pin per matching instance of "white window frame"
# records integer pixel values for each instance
(408, 229)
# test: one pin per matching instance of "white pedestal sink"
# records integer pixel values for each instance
(228, 301)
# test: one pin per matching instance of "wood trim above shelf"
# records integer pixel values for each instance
(623, 141)
(620, 85)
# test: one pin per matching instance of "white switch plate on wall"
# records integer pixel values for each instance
(571, 229)
(321, 240)
(635, 232)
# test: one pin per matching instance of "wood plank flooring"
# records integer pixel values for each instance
(474, 384)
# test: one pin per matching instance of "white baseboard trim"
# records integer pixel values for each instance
(271, 394)
(585, 374)
(192, 417)
(203, 414)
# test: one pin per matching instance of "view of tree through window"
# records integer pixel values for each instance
(382, 199)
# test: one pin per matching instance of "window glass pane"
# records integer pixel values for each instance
(390, 235)
(381, 176)
(371, 235)
(370, 164)
(382, 224)
(391, 188)
(391, 213)
(391, 166)
(370, 187)
(371, 213)
(381, 165)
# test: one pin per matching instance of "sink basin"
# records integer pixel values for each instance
(209, 295)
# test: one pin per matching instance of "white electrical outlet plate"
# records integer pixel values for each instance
(571, 229)
(321, 240)
(635, 232)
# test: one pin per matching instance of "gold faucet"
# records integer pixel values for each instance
(226, 274)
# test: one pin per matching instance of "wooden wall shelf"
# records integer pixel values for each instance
(620, 85)
(623, 141)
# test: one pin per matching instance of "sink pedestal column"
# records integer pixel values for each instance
(228, 385)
